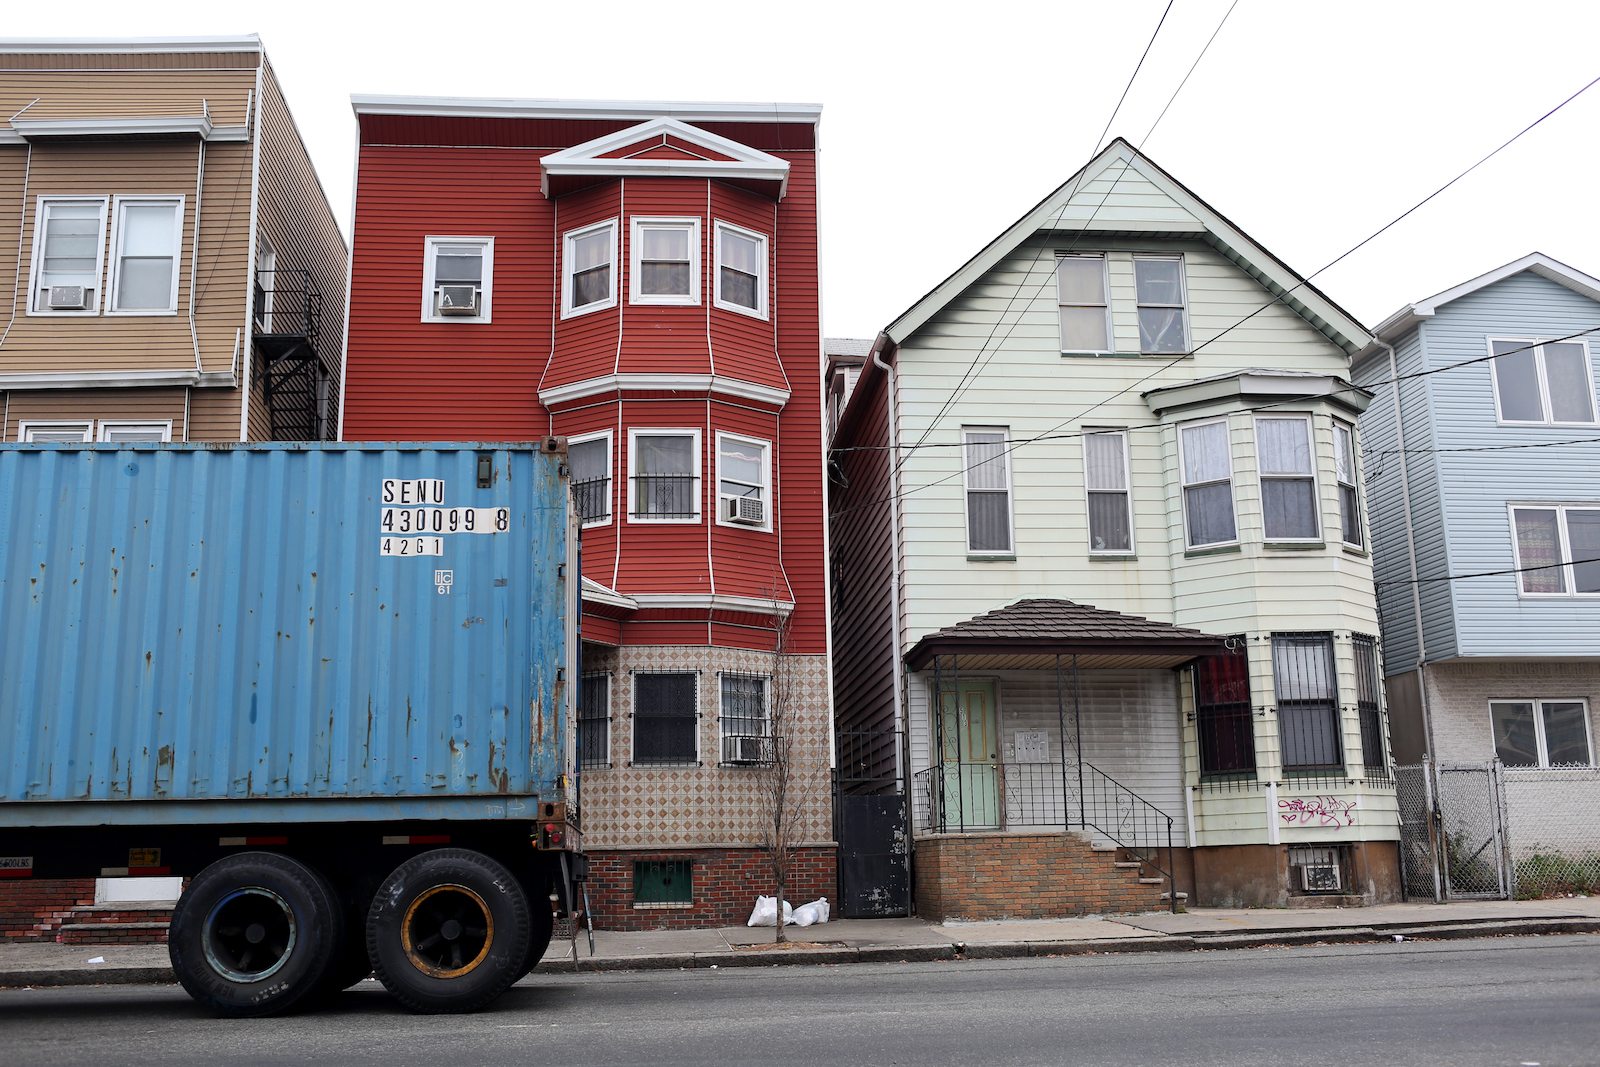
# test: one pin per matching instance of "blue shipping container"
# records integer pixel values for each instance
(283, 632)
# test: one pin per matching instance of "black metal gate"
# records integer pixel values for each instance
(870, 821)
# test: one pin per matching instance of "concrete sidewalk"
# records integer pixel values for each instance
(895, 940)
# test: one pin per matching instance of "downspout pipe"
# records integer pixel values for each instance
(894, 528)
(1411, 552)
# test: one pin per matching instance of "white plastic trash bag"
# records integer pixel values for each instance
(766, 912)
(814, 912)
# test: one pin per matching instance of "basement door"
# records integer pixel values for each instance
(971, 756)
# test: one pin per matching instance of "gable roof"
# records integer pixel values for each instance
(1075, 207)
(664, 148)
(1030, 632)
(1410, 316)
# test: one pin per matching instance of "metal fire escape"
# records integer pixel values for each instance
(294, 383)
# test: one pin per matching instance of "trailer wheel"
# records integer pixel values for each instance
(448, 931)
(254, 934)
(542, 925)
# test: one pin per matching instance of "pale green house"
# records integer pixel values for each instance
(1102, 489)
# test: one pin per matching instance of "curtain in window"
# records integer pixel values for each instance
(71, 244)
(988, 502)
(1223, 720)
(742, 468)
(741, 269)
(1105, 474)
(665, 466)
(591, 479)
(1344, 468)
(1539, 545)
(1160, 282)
(1583, 540)
(1308, 713)
(145, 274)
(1209, 508)
(1571, 399)
(1288, 504)
(664, 261)
(591, 268)
(1080, 282)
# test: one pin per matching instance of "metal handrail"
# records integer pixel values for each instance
(1148, 814)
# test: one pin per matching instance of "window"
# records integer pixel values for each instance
(1543, 383)
(1308, 702)
(665, 715)
(68, 246)
(746, 728)
(741, 270)
(457, 279)
(144, 275)
(266, 283)
(1344, 472)
(666, 261)
(1163, 325)
(1081, 293)
(118, 431)
(1207, 483)
(589, 460)
(1558, 550)
(1541, 733)
(1372, 747)
(666, 476)
(663, 883)
(1288, 480)
(1105, 476)
(51, 433)
(1223, 721)
(743, 471)
(594, 720)
(587, 281)
(988, 478)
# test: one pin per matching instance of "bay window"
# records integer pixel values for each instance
(589, 460)
(1288, 479)
(1344, 473)
(588, 282)
(1207, 483)
(1308, 702)
(665, 261)
(741, 270)
(665, 475)
(743, 473)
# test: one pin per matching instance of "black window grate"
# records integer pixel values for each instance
(1367, 706)
(1223, 719)
(1308, 703)
(594, 720)
(665, 717)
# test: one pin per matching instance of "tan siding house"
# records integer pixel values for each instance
(176, 264)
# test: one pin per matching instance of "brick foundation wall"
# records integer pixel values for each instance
(1023, 876)
(33, 909)
(726, 884)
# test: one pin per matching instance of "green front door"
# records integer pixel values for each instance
(971, 757)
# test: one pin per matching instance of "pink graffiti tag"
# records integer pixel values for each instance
(1324, 811)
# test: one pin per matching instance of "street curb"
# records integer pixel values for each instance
(153, 975)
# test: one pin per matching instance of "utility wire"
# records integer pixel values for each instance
(1488, 574)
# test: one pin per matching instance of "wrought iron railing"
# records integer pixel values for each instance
(591, 499)
(665, 496)
(286, 326)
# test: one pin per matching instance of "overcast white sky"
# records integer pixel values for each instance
(1308, 124)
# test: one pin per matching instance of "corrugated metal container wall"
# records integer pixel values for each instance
(193, 622)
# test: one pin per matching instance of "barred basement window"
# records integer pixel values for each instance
(594, 721)
(1366, 649)
(1308, 702)
(1225, 728)
(663, 883)
(665, 719)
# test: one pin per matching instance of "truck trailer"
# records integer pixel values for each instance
(329, 684)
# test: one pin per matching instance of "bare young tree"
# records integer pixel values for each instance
(780, 800)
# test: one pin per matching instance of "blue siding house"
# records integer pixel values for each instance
(1482, 459)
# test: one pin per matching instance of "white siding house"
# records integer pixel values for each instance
(1125, 405)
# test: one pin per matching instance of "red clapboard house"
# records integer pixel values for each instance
(640, 279)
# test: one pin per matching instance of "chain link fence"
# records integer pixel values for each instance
(1554, 829)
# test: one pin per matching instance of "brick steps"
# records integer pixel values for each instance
(118, 933)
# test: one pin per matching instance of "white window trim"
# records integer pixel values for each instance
(635, 432)
(1354, 483)
(722, 717)
(112, 424)
(967, 488)
(430, 265)
(633, 717)
(1127, 493)
(119, 202)
(1563, 548)
(58, 425)
(1316, 484)
(762, 282)
(1183, 287)
(1538, 703)
(1105, 288)
(637, 223)
(1183, 498)
(766, 481)
(567, 239)
(36, 268)
(1544, 380)
(611, 470)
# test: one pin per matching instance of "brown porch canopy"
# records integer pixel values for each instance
(1030, 634)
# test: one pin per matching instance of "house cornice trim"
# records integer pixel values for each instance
(713, 602)
(1412, 315)
(128, 45)
(23, 130)
(118, 379)
(694, 383)
(642, 110)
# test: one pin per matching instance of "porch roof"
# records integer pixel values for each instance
(1030, 634)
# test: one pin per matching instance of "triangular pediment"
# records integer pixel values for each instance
(664, 148)
(1121, 191)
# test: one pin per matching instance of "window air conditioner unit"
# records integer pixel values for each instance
(68, 297)
(747, 750)
(458, 300)
(746, 510)
(1319, 877)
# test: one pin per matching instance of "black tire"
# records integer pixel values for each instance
(350, 963)
(448, 931)
(254, 934)
(542, 925)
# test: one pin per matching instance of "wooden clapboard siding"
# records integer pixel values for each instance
(294, 215)
(122, 61)
(84, 93)
(70, 405)
(214, 416)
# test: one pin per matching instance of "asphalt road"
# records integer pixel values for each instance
(1523, 1000)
